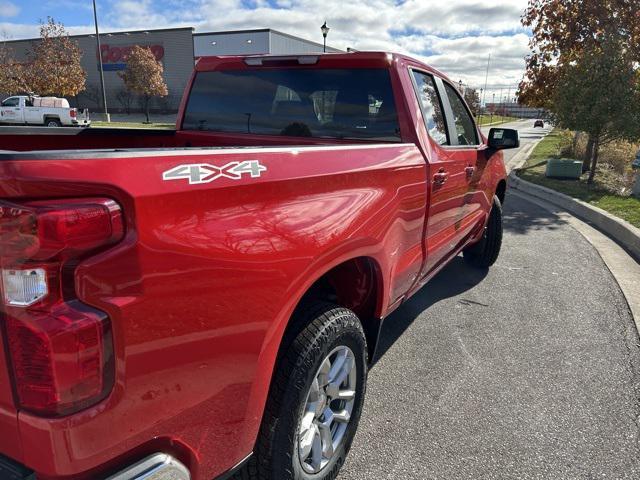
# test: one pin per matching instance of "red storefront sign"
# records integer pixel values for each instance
(120, 53)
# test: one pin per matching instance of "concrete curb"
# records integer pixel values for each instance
(619, 230)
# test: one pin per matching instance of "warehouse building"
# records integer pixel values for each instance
(176, 48)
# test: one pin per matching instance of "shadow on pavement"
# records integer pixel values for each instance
(444, 285)
(521, 217)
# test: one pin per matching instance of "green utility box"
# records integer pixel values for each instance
(564, 168)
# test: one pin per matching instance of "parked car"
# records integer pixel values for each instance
(206, 301)
(47, 111)
(538, 123)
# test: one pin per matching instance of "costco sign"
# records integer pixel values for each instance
(114, 57)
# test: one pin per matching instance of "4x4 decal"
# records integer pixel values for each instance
(198, 173)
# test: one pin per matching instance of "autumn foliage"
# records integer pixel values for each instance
(563, 30)
(52, 68)
(143, 76)
(54, 63)
(583, 68)
(12, 74)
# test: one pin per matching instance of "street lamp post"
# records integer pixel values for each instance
(325, 32)
(104, 93)
(493, 106)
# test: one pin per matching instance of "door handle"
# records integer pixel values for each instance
(470, 170)
(440, 178)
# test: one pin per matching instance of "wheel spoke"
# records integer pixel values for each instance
(306, 442)
(340, 377)
(314, 393)
(307, 420)
(327, 440)
(346, 395)
(316, 450)
(342, 416)
(323, 375)
(338, 366)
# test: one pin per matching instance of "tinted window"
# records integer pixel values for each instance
(465, 127)
(11, 102)
(298, 102)
(431, 107)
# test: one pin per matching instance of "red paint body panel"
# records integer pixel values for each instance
(203, 286)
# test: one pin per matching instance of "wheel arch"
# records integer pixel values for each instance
(339, 283)
(356, 284)
(501, 190)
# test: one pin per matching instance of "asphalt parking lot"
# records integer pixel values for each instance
(529, 370)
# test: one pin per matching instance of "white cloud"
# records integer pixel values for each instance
(455, 36)
(8, 9)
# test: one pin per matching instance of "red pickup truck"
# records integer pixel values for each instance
(203, 303)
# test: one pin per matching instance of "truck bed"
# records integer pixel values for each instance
(26, 139)
(188, 245)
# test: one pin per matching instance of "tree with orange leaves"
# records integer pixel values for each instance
(563, 30)
(12, 73)
(583, 67)
(143, 76)
(54, 67)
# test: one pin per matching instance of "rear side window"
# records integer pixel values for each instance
(465, 127)
(431, 107)
(326, 103)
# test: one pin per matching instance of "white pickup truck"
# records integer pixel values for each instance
(48, 111)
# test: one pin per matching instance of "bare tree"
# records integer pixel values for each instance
(125, 98)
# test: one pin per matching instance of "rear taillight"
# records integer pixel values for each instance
(73, 113)
(60, 349)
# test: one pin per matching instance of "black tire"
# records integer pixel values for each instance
(485, 253)
(317, 331)
(52, 122)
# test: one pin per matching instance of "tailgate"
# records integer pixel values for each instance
(9, 441)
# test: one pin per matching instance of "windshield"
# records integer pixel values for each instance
(329, 103)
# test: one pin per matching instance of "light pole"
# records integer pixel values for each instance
(325, 32)
(493, 106)
(104, 93)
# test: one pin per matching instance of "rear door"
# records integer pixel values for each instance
(32, 115)
(470, 150)
(448, 182)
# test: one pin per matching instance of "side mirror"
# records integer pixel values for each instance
(503, 138)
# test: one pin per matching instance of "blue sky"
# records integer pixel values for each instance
(454, 35)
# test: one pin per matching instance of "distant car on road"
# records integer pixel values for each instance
(539, 123)
(47, 111)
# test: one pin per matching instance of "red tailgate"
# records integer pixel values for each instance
(9, 441)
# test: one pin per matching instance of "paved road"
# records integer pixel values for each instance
(529, 370)
(528, 135)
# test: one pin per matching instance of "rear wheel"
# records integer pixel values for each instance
(53, 122)
(315, 399)
(485, 253)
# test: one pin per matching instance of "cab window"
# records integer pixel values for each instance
(431, 107)
(465, 127)
(11, 102)
(324, 103)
